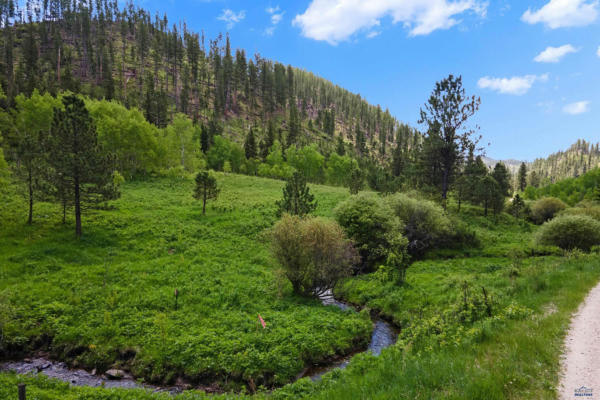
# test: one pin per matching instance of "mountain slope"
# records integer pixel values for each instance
(126, 54)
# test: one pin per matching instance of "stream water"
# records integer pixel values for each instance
(383, 336)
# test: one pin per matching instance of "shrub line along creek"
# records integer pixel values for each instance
(384, 335)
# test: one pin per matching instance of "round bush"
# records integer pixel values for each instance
(425, 224)
(545, 209)
(373, 227)
(314, 253)
(570, 232)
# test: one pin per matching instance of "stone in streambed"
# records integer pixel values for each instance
(114, 374)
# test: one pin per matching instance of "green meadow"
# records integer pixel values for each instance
(485, 322)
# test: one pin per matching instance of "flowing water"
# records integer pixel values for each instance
(383, 336)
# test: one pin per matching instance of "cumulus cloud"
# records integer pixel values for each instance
(276, 18)
(563, 13)
(517, 85)
(579, 107)
(598, 51)
(554, 54)
(337, 20)
(231, 17)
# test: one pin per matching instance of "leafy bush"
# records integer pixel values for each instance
(371, 224)
(545, 209)
(425, 224)
(588, 208)
(314, 253)
(570, 232)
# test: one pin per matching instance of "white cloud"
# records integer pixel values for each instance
(563, 13)
(231, 17)
(598, 52)
(276, 18)
(337, 20)
(373, 34)
(517, 85)
(554, 54)
(579, 107)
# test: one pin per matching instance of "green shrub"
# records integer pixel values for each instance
(545, 209)
(314, 253)
(588, 208)
(425, 224)
(371, 224)
(569, 232)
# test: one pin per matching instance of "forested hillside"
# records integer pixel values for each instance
(99, 50)
(580, 158)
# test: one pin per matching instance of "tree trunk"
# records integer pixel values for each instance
(64, 218)
(445, 176)
(77, 208)
(30, 187)
(204, 202)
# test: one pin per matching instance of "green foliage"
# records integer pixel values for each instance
(112, 292)
(424, 223)
(308, 161)
(445, 115)
(314, 253)
(297, 199)
(591, 209)
(125, 133)
(518, 208)
(206, 188)
(545, 209)
(570, 232)
(355, 180)
(371, 224)
(571, 190)
(80, 165)
(340, 169)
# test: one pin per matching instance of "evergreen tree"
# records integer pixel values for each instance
(522, 177)
(267, 143)
(77, 158)
(250, 145)
(445, 115)
(517, 206)
(355, 180)
(297, 199)
(340, 148)
(534, 179)
(204, 139)
(488, 192)
(502, 177)
(206, 188)
(294, 122)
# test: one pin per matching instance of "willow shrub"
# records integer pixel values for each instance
(545, 209)
(570, 232)
(314, 253)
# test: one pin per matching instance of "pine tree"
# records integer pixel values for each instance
(250, 145)
(445, 115)
(206, 188)
(340, 148)
(204, 139)
(355, 180)
(297, 199)
(522, 177)
(78, 159)
(502, 177)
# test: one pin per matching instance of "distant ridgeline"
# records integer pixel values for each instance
(96, 49)
(580, 158)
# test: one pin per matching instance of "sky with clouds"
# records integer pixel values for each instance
(535, 64)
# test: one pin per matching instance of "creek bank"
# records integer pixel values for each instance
(383, 335)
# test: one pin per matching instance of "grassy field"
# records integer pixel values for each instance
(109, 299)
(480, 323)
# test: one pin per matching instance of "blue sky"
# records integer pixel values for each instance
(535, 64)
